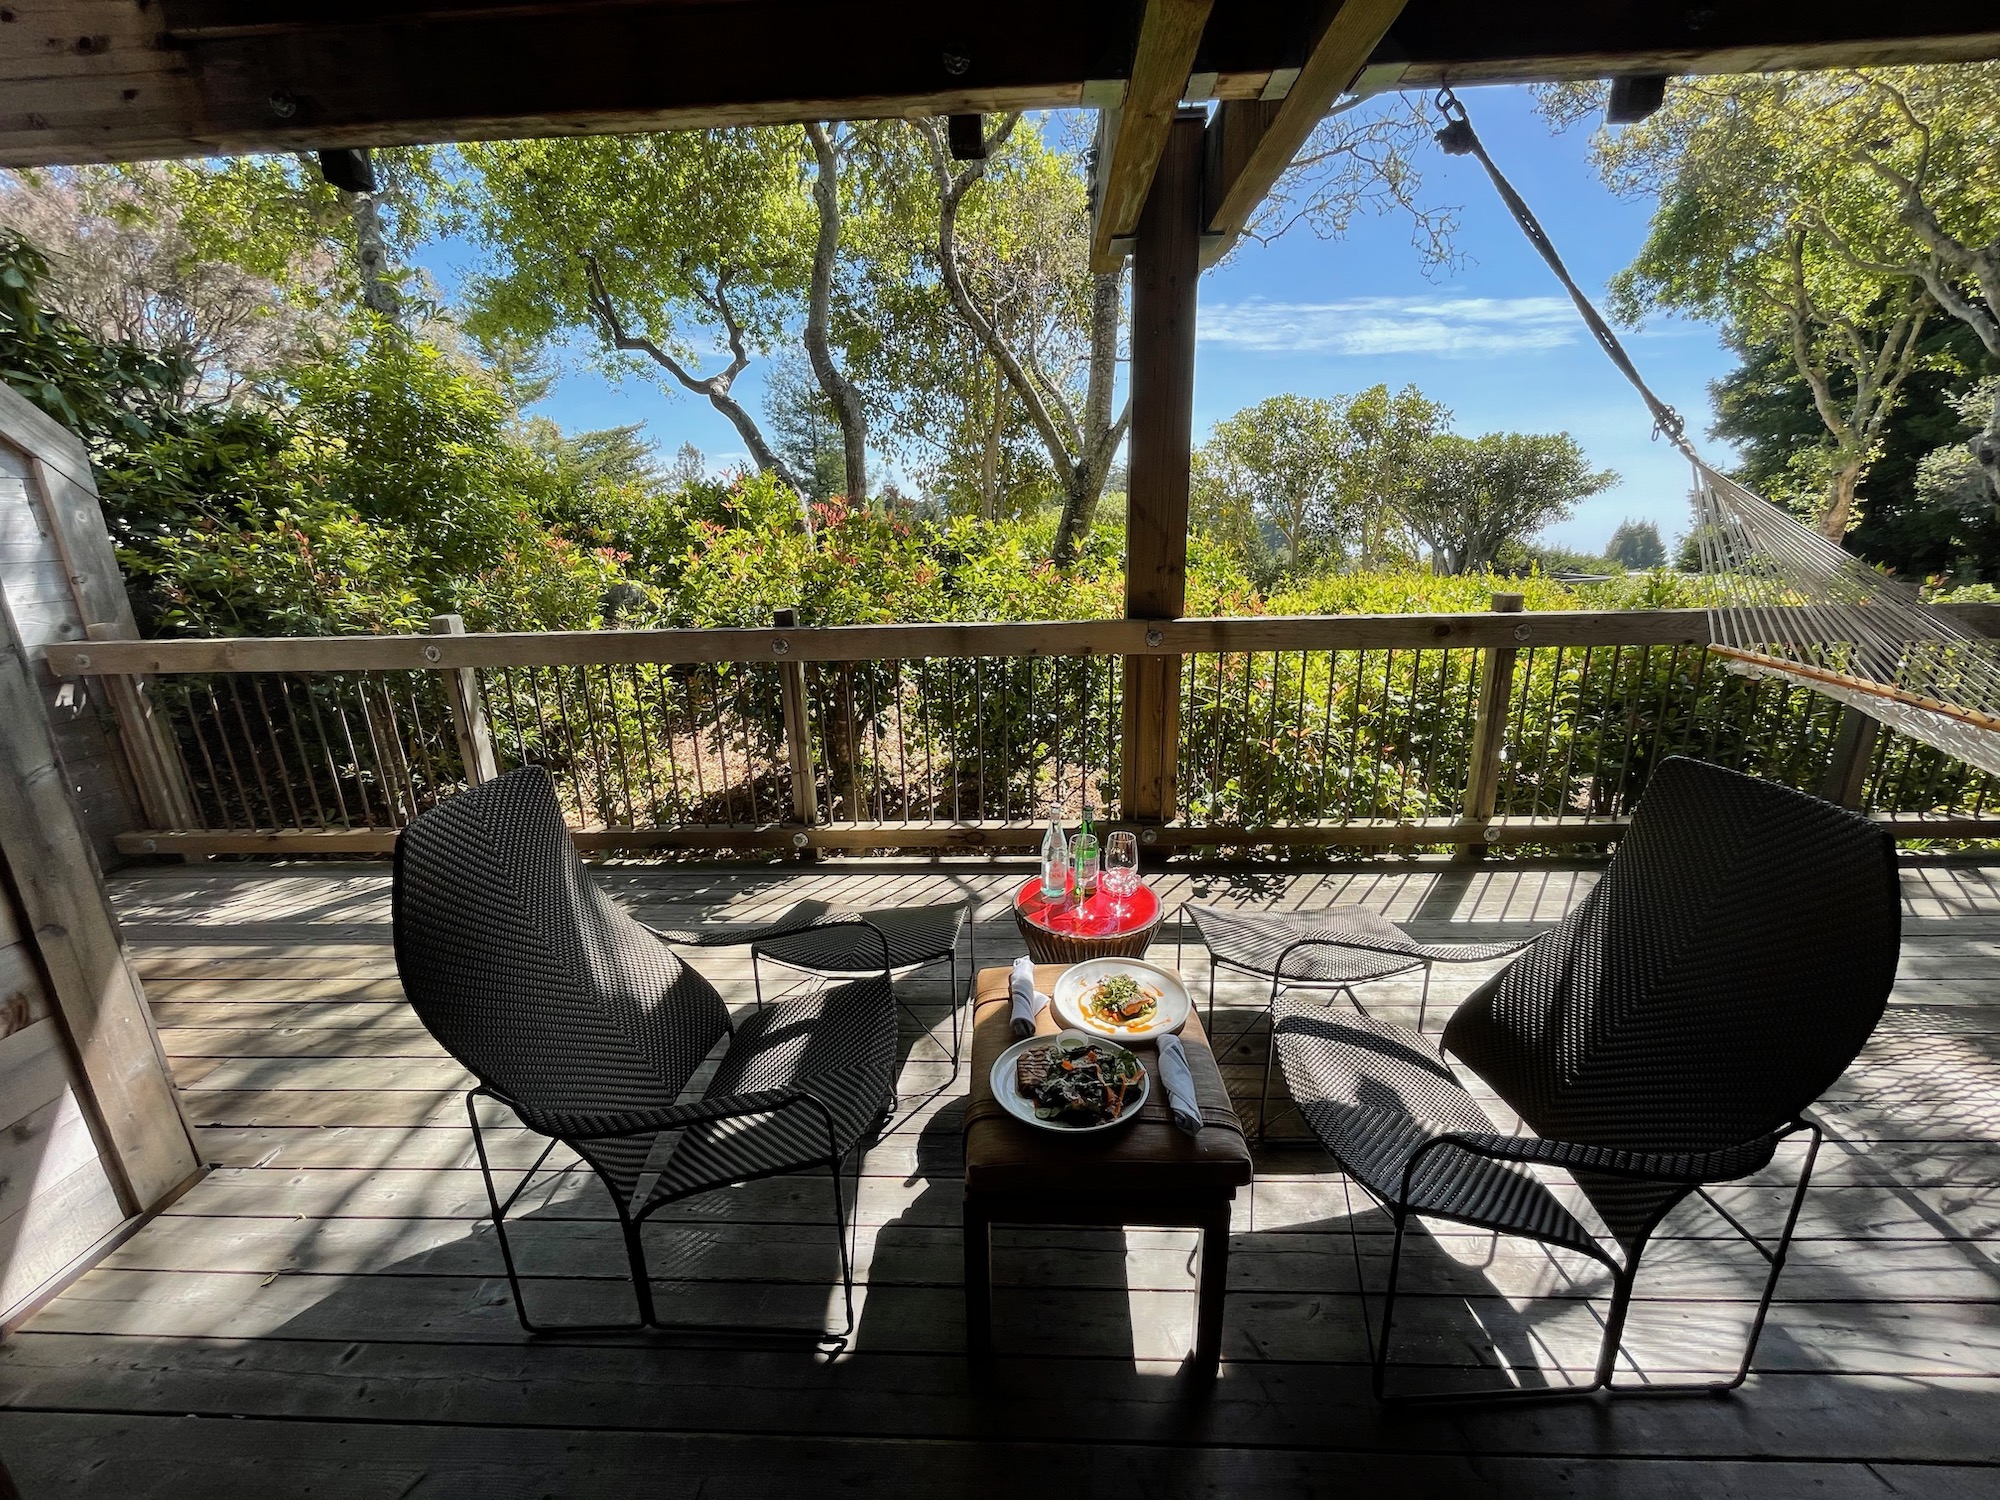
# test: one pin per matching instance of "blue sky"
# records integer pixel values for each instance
(1495, 340)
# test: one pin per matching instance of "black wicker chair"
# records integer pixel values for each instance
(589, 1027)
(1668, 1034)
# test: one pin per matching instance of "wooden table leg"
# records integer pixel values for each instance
(1211, 1283)
(978, 1279)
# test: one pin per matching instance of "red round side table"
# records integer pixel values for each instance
(1065, 932)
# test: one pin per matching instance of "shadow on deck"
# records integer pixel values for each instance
(324, 1313)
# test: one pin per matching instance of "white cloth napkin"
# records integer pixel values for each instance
(1178, 1078)
(1029, 1002)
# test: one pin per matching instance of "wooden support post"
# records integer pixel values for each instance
(1489, 731)
(798, 730)
(1853, 750)
(159, 775)
(147, 1147)
(468, 711)
(1166, 263)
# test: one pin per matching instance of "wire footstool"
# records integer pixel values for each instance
(1334, 949)
(918, 937)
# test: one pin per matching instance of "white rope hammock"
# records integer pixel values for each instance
(1795, 605)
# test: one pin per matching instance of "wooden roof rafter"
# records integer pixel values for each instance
(1252, 142)
(1135, 133)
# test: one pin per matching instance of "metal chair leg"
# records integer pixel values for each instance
(1379, 1355)
(1270, 1051)
(840, 1233)
(642, 1279)
(641, 1290)
(1424, 999)
(1379, 1349)
(1775, 1257)
(952, 969)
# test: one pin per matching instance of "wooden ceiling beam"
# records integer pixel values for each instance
(1266, 139)
(119, 80)
(1475, 41)
(1169, 36)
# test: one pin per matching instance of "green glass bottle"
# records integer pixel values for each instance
(1084, 859)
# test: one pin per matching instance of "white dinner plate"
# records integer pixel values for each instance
(1008, 1091)
(1080, 979)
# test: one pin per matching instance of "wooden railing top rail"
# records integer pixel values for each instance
(362, 653)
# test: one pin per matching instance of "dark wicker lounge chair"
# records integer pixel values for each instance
(1668, 1034)
(589, 1027)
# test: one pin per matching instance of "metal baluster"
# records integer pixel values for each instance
(229, 756)
(305, 754)
(195, 724)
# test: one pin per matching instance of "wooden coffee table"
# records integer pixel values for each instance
(1148, 1173)
(1068, 932)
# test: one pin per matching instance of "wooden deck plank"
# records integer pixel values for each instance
(335, 1462)
(333, 1291)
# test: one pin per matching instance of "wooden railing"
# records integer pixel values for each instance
(1344, 732)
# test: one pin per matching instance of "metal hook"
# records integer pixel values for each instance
(1455, 135)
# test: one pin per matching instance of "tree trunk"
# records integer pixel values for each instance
(1101, 435)
(1985, 449)
(715, 387)
(989, 461)
(826, 254)
(1079, 451)
(1840, 500)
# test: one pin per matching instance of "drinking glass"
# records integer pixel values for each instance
(1121, 867)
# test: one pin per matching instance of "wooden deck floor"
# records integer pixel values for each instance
(323, 1314)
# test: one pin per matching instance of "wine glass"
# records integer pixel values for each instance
(1121, 868)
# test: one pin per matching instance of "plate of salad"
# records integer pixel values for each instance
(1071, 1083)
(1126, 999)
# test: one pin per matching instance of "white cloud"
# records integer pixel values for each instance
(1454, 327)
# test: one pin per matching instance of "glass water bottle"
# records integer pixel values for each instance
(1055, 862)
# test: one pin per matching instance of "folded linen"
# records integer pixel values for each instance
(1029, 1002)
(1178, 1079)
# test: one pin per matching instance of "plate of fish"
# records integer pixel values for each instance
(1126, 999)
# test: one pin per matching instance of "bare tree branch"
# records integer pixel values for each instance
(715, 387)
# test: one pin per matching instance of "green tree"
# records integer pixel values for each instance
(125, 263)
(1474, 494)
(109, 392)
(1014, 265)
(1277, 469)
(330, 252)
(1323, 477)
(1389, 434)
(1827, 213)
(656, 248)
(1636, 546)
(1764, 409)
(936, 391)
(805, 429)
